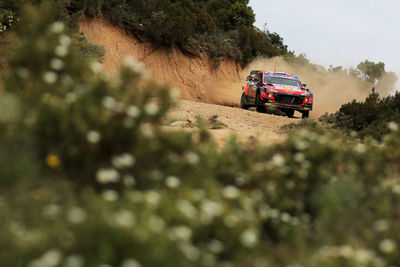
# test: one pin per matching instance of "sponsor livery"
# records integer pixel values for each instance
(277, 90)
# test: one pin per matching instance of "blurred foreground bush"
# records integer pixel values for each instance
(89, 178)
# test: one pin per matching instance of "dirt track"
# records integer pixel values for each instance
(247, 125)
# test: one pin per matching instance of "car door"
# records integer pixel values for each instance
(254, 85)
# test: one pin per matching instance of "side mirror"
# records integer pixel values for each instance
(304, 85)
(249, 78)
(308, 90)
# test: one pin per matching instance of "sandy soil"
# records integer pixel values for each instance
(195, 77)
(248, 125)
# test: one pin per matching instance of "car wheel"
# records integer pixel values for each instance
(259, 106)
(289, 113)
(305, 114)
(243, 102)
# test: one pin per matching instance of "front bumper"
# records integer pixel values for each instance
(271, 104)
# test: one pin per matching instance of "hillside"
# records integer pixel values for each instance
(194, 76)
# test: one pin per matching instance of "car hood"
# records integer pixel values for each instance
(289, 89)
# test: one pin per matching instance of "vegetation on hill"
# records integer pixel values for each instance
(372, 117)
(222, 28)
(88, 177)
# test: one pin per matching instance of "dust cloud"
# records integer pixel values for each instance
(331, 89)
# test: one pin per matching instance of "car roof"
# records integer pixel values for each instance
(276, 74)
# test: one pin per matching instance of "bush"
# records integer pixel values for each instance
(88, 177)
(370, 118)
(224, 28)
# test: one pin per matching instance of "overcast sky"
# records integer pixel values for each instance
(337, 32)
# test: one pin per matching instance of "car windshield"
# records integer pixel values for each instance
(282, 81)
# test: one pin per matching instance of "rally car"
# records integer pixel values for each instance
(276, 90)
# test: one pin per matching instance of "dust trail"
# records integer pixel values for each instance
(331, 89)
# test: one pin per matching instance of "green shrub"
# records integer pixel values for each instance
(369, 118)
(88, 177)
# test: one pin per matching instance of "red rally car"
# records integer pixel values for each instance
(276, 90)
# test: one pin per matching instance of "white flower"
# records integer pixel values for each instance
(211, 209)
(109, 102)
(216, 246)
(133, 111)
(285, 217)
(71, 97)
(363, 256)
(56, 64)
(156, 224)
(110, 195)
(131, 263)
(74, 261)
(124, 218)
(76, 215)
(396, 189)
(172, 182)
(278, 160)
(93, 137)
(381, 225)
(96, 67)
(151, 109)
(50, 77)
(51, 258)
(231, 192)
(346, 252)
(231, 220)
(61, 50)
(394, 127)
(191, 252)
(186, 208)
(152, 198)
(64, 40)
(123, 161)
(192, 158)
(301, 145)
(387, 246)
(299, 157)
(106, 176)
(182, 232)
(135, 66)
(249, 238)
(174, 93)
(147, 130)
(57, 27)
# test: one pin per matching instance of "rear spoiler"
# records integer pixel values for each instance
(253, 72)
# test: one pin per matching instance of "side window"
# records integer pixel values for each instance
(258, 77)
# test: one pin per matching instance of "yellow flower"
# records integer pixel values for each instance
(53, 161)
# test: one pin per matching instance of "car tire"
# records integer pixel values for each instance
(259, 106)
(306, 114)
(289, 113)
(243, 102)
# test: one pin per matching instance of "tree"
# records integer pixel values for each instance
(241, 15)
(371, 71)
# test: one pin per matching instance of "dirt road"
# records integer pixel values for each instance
(247, 125)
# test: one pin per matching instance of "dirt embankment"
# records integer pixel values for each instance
(195, 77)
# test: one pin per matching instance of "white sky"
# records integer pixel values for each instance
(337, 32)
